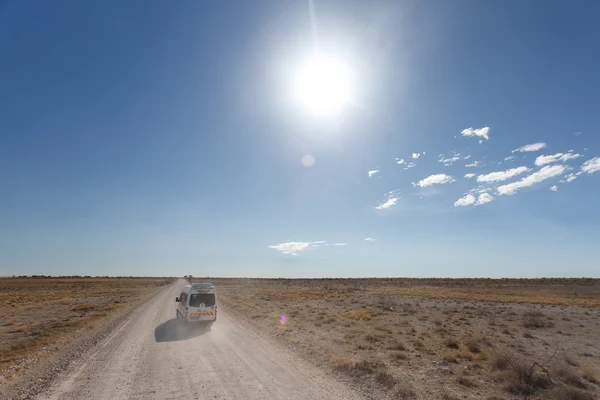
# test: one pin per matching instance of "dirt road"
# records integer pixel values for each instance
(152, 356)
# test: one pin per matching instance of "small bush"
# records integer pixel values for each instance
(452, 343)
(589, 375)
(564, 393)
(341, 362)
(536, 319)
(398, 346)
(364, 368)
(372, 338)
(449, 357)
(385, 379)
(473, 345)
(466, 381)
(397, 356)
(568, 375)
(362, 315)
(405, 392)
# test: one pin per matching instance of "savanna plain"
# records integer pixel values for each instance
(385, 338)
(436, 338)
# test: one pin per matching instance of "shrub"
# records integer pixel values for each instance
(564, 393)
(473, 345)
(385, 379)
(363, 315)
(466, 381)
(536, 319)
(452, 343)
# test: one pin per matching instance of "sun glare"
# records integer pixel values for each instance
(323, 86)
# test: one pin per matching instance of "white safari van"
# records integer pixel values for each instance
(197, 302)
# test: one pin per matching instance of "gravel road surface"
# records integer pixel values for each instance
(152, 356)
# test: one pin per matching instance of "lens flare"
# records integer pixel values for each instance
(282, 320)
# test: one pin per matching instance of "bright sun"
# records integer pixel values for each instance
(323, 85)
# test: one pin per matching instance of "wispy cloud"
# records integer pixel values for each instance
(471, 200)
(474, 164)
(480, 132)
(369, 239)
(409, 165)
(291, 248)
(578, 133)
(401, 161)
(435, 179)
(554, 188)
(373, 172)
(392, 201)
(502, 175)
(544, 160)
(416, 155)
(467, 157)
(469, 176)
(531, 147)
(571, 177)
(546, 172)
(591, 165)
(509, 158)
(450, 160)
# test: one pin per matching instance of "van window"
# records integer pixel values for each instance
(206, 299)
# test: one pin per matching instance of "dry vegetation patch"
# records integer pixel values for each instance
(403, 338)
(41, 314)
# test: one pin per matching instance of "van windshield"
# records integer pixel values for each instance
(206, 299)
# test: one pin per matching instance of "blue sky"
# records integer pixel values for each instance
(153, 138)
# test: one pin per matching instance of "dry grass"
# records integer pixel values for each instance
(444, 329)
(44, 312)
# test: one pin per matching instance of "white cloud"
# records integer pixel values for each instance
(481, 132)
(465, 201)
(409, 165)
(578, 133)
(554, 188)
(389, 203)
(401, 161)
(339, 244)
(591, 165)
(546, 172)
(531, 147)
(473, 164)
(416, 155)
(543, 160)
(467, 157)
(435, 179)
(470, 200)
(502, 175)
(291, 248)
(571, 177)
(369, 239)
(469, 176)
(484, 198)
(509, 158)
(373, 172)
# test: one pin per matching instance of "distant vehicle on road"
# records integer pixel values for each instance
(197, 302)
